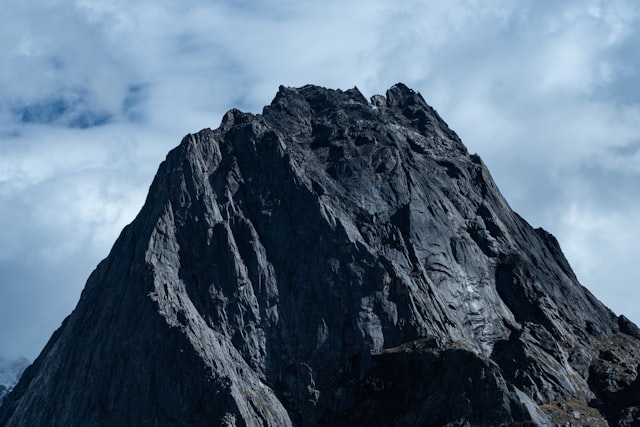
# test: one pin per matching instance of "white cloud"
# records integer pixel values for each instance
(602, 244)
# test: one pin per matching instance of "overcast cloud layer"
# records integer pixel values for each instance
(94, 93)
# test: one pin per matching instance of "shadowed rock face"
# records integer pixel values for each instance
(333, 261)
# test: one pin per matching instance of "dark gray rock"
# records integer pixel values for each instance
(332, 261)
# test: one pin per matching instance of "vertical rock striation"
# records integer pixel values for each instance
(332, 261)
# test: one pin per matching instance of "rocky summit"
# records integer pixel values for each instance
(332, 261)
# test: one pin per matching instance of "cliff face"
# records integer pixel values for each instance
(332, 261)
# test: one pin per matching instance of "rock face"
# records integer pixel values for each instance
(332, 261)
(10, 372)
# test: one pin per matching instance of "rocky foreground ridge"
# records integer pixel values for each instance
(332, 261)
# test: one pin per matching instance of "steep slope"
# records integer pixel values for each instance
(332, 261)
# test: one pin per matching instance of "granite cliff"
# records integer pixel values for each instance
(332, 261)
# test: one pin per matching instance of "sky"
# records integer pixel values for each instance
(94, 93)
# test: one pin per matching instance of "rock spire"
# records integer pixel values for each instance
(332, 261)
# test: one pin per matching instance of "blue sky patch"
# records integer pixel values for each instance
(72, 109)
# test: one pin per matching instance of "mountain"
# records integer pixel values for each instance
(10, 372)
(332, 261)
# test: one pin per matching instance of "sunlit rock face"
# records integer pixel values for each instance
(332, 261)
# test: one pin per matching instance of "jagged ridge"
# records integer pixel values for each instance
(332, 261)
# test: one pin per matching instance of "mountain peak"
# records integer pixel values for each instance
(400, 95)
(332, 261)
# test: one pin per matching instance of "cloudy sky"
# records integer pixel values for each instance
(93, 94)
